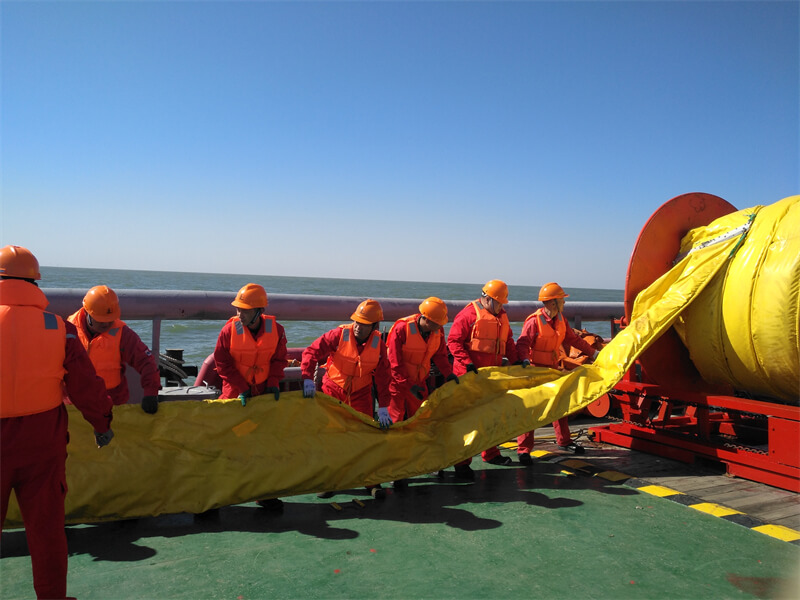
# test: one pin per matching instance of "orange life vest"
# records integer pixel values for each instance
(490, 332)
(103, 350)
(417, 351)
(32, 351)
(546, 350)
(253, 356)
(347, 368)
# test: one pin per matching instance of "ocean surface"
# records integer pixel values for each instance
(197, 338)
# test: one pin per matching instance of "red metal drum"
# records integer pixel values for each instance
(667, 361)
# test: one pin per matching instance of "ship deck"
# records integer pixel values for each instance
(602, 525)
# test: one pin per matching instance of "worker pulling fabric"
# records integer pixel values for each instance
(540, 342)
(481, 336)
(355, 359)
(112, 345)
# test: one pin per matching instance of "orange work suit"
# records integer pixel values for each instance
(483, 339)
(39, 355)
(410, 355)
(540, 342)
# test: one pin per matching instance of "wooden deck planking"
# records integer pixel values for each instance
(706, 481)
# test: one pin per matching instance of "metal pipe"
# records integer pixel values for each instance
(194, 305)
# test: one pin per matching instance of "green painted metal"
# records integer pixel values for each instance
(514, 532)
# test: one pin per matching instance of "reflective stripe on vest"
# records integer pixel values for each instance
(253, 356)
(103, 349)
(32, 352)
(347, 368)
(489, 333)
(417, 351)
(545, 349)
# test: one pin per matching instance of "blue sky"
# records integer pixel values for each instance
(421, 141)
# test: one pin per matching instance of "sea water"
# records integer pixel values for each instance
(198, 338)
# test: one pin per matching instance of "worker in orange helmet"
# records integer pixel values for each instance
(480, 337)
(540, 343)
(39, 355)
(356, 359)
(112, 345)
(250, 354)
(414, 342)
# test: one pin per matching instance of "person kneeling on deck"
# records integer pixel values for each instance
(250, 355)
(356, 358)
(112, 345)
(414, 342)
(40, 354)
(540, 342)
(480, 337)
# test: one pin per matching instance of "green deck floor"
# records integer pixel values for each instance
(516, 532)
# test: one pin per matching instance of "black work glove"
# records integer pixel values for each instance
(103, 439)
(451, 377)
(273, 390)
(471, 367)
(523, 363)
(416, 391)
(150, 404)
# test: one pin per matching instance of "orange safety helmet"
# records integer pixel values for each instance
(16, 261)
(368, 312)
(251, 295)
(102, 304)
(496, 290)
(434, 309)
(550, 291)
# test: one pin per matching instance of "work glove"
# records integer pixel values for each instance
(383, 418)
(451, 377)
(243, 397)
(416, 391)
(309, 388)
(103, 439)
(273, 390)
(596, 352)
(150, 404)
(525, 363)
(471, 367)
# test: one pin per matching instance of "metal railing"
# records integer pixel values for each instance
(179, 305)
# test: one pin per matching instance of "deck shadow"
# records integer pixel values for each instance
(425, 500)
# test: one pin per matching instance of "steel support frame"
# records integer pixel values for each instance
(678, 425)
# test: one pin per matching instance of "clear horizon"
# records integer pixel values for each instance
(394, 141)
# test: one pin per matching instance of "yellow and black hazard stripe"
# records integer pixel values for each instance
(780, 532)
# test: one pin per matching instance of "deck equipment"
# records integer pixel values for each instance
(722, 383)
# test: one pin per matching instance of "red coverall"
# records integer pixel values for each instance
(457, 343)
(233, 383)
(33, 452)
(525, 342)
(403, 403)
(361, 400)
(135, 353)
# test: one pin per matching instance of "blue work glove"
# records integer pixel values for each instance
(309, 388)
(103, 439)
(451, 377)
(383, 418)
(243, 397)
(273, 390)
(416, 391)
(471, 367)
(524, 363)
(150, 404)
